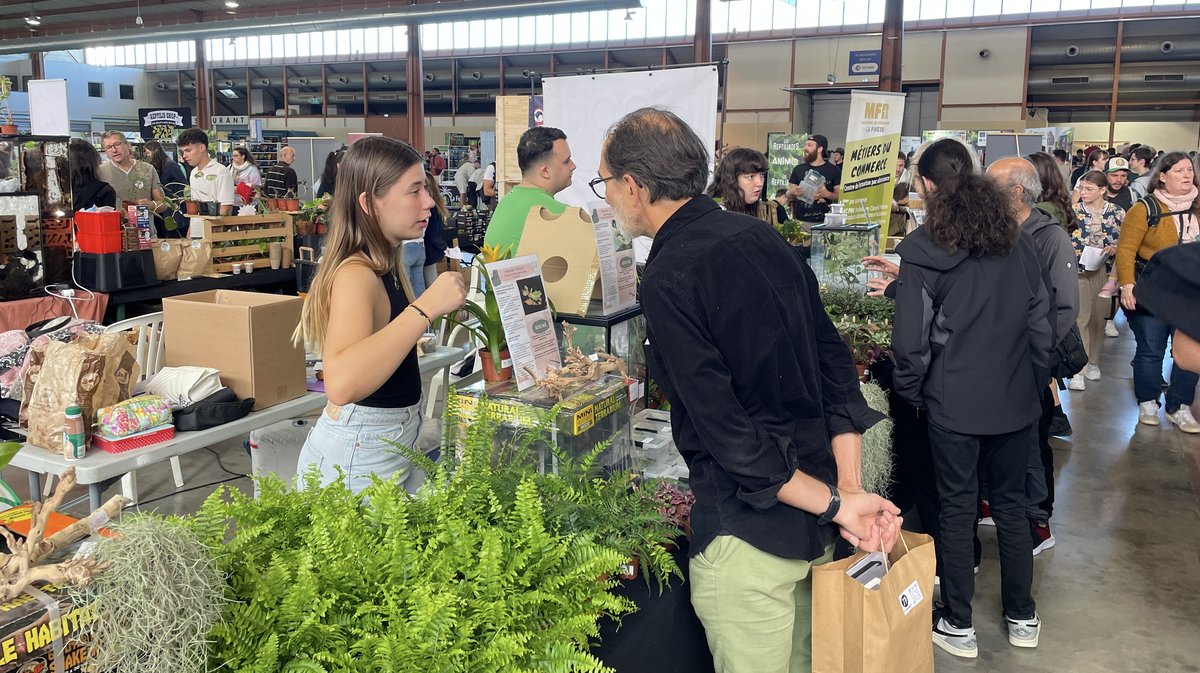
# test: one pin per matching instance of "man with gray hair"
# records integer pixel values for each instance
(769, 420)
(1020, 180)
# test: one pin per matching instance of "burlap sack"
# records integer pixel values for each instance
(168, 254)
(197, 259)
(94, 371)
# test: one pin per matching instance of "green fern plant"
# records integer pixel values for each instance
(474, 573)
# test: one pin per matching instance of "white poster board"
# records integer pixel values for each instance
(585, 106)
(525, 314)
(48, 114)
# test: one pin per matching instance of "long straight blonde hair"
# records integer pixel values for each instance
(372, 165)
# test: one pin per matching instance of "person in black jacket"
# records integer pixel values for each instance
(972, 344)
(88, 190)
(1019, 178)
(767, 418)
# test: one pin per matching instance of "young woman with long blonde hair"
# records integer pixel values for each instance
(360, 315)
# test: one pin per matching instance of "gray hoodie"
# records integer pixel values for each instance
(1057, 256)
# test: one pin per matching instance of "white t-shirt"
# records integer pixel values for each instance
(489, 173)
(212, 183)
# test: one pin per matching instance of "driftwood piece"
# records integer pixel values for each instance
(19, 570)
(578, 368)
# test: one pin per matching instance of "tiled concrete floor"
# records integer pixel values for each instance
(1118, 594)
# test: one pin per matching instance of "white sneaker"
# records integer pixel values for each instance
(1092, 373)
(1023, 632)
(956, 641)
(1148, 413)
(1183, 419)
(1110, 329)
(1077, 383)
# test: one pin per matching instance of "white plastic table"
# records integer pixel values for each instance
(99, 466)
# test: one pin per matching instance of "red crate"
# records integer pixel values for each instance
(98, 223)
(100, 243)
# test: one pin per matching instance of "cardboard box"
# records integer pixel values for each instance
(247, 336)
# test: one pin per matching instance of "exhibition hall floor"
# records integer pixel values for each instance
(1116, 594)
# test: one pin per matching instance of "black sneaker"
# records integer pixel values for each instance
(1060, 426)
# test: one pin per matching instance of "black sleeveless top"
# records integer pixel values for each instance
(403, 389)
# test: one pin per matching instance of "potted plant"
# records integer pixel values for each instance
(487, 328)
(312, 217)
(793, 232)
(7, 128)
(291, 202)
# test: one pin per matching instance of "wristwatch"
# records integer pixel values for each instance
(835, 504)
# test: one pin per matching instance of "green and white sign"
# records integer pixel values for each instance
(785, 151)
(869, 169)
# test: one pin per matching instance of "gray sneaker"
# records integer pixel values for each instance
(956, 641)
(1021, 632)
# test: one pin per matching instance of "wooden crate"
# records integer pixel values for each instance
(220, 230)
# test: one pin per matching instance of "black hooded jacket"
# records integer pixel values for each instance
(971, 336)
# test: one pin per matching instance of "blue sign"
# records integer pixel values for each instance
(864, 63)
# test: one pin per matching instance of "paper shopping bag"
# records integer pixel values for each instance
(882, 630)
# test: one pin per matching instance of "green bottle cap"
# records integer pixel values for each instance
(74, 410)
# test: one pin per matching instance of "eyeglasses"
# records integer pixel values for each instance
(597, 185)
(113, 146)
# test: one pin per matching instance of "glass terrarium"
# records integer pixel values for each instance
(838, 251)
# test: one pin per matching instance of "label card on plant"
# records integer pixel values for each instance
(525, 314)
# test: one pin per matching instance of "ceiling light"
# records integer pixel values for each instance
(231, 4)
(229, 93)
(33, 20)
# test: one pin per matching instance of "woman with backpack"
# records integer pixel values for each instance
(1167, 216)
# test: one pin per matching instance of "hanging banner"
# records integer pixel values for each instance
(785, 151)
(163, 124)
(537, 113)
(869, 171)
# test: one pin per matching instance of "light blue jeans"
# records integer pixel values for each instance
(363, 441)
(414, 266)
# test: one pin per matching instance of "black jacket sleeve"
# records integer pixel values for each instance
(910, 334)
(751, 455)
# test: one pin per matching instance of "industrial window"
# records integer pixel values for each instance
(95, 90)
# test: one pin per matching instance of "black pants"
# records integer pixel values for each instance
(1043, 436)
(957, 460)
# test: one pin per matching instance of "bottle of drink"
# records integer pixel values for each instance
(74, 438)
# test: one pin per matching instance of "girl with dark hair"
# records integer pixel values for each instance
(972, 345)
(243, 167)
(363, 317)
(435, 233)
(1096, 223)
(172, 179)
(1175, 194)
(1056, 198)
(88, 190)
(328, 180)
(738, 184)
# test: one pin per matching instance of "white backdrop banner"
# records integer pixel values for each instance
(584, 106)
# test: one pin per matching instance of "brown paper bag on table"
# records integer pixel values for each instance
(197, 259)
(884, 630)
(93, 371)
(168, 253)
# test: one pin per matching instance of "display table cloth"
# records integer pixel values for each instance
(21, 313)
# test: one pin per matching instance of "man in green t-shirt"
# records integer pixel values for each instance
(546, 168)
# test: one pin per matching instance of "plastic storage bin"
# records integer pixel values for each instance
(98, 233)
(115, 271)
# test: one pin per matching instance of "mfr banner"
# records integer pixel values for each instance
(869, 170)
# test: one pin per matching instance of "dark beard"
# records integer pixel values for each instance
(810, 158)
